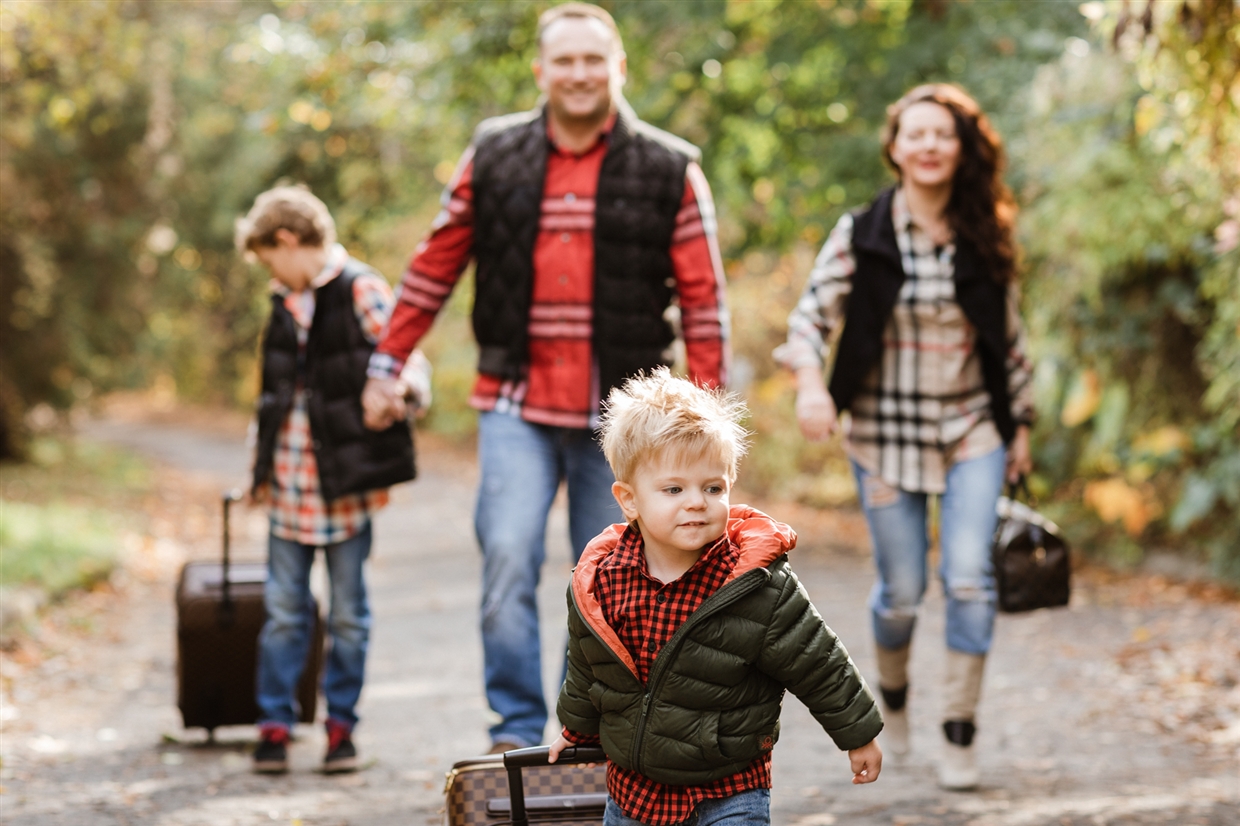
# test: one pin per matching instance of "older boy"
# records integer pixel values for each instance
(687, 625)
(320, 469)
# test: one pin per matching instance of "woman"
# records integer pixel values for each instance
(930, 364)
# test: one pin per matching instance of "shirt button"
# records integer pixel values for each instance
(570, 198)
(565, 237)
(652, 647)
(661, 598)
(563, 279)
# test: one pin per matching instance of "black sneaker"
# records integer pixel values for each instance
(341, 754)
(271, 756)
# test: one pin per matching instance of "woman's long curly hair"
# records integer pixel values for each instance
(981, 209)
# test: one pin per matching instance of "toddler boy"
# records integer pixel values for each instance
(687, 625)
(322, 472)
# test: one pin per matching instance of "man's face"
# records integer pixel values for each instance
(576, 67)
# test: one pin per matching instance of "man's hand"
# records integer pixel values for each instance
(816, 412)
(553, 751)
(1019, 457)
(382, 403)
(866, 762)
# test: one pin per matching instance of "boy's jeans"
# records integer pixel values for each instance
(751, 808)
(897, 521)
(522, 465)
(285, 640)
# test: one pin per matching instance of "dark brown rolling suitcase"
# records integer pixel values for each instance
(519, 787)
(219, 616)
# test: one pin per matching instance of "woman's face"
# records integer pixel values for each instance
(927, 148)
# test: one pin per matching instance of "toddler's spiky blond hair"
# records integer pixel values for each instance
(656, 413)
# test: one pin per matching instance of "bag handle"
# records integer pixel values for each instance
(1021, 485)
(537, 756)
(227, 608)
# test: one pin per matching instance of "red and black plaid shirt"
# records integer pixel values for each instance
(645, 613)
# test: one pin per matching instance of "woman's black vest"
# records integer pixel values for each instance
(875, 287)
(640, 187)
(351, 458)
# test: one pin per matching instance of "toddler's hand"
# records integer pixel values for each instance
(553, 751)
(866, 762)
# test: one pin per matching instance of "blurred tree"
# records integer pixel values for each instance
(1134, 166)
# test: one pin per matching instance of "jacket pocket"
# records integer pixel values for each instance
(708, 739)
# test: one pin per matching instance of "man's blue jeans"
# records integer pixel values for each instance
(751, 808)
(897, 521)
(522, 465)
(285, 640)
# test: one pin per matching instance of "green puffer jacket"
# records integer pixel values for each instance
(712, 700)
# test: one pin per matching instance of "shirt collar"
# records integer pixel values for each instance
(603, 136)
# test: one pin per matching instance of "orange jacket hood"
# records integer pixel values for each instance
(761, 541)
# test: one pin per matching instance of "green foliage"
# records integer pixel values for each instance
(60, 526)
(1132, 168)
(55, 547)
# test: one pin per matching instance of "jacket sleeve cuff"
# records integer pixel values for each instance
(579, 739)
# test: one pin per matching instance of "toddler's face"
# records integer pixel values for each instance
(680, 504)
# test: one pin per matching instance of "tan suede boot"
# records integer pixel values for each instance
(893, 686)
(958, 765)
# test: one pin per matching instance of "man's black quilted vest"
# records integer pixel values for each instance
(876, 285)
(640, 187)
(351, 458)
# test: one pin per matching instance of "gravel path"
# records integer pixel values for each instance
(1122, 709)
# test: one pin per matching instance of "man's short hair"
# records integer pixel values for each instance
(579, 11)
(655, 415)
(293, 208)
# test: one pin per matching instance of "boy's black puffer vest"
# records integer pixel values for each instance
(712, 699)
(875, 287)
(640, 187)
(351, 458)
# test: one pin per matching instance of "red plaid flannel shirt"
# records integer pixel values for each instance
(645, 613)
(560, 384)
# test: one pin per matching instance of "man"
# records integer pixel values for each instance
(586, 224)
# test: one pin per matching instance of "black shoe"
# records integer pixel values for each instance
(271, 756)
(341, 754)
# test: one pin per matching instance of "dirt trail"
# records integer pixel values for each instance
(1122, 709)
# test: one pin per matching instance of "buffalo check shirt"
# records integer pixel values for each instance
(924, 407)
(560, 384)
(645, 613)
(299, 513)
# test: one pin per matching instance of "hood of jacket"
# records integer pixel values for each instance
(760, 539)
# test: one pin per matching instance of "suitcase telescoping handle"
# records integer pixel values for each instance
(227, 610)
(518, 759)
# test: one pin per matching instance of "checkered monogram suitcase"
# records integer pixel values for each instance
(519, 788)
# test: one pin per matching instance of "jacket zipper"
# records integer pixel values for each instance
(722, 598)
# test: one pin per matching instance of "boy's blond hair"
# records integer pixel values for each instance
(656, 413)
(293, 208)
